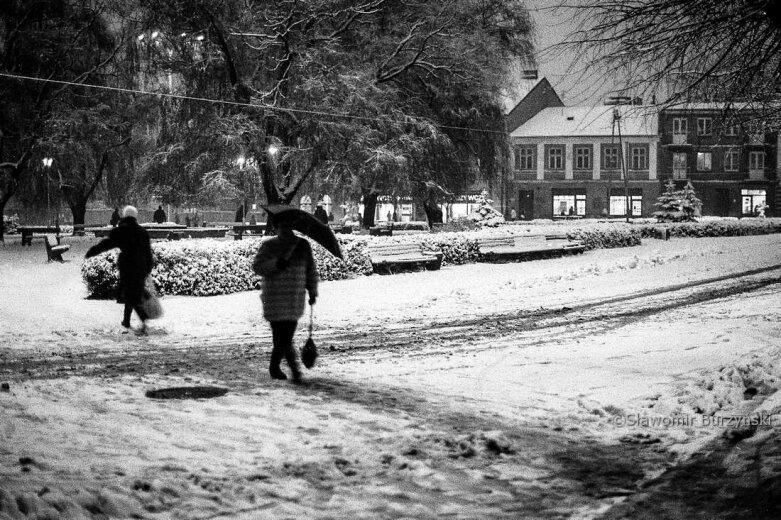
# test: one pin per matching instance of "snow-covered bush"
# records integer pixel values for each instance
(458, 224)
(457, 248)
(716, 228)
(10, 223)
(209, 267)
(486, 215)
(607, 237)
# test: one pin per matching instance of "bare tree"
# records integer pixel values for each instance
(684, 50)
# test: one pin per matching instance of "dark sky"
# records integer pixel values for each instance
(574, 84)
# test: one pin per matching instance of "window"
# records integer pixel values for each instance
(306, 203)
(555, 158)
(618, 203)
(756, 161)
(610, 157)
(582, 158)
(680, 166)
(752, 199)
(680, 126)
(704, 161)
(327, 204)
(638, 157)
(731, 130)
(731, 158)
(574, 204)
(524, 158)
(680, 130)
(756, 133)
(704, 126)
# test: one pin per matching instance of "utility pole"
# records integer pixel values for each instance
(617, 122)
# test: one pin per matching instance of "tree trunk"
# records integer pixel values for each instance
(79, 211)
(369, 207)
(9, 182)
(433, 213)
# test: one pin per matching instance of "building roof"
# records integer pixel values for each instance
(713, 106)
(636, 120)
(540, 95)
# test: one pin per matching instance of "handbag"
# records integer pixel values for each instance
(309, 350)
(150, 303)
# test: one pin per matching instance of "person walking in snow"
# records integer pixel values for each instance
(321, 214)
(159, 216)
(114, 218)
(288, 269)
(135, 262)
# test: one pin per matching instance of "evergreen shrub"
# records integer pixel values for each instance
(716, 228)
(607, 236)
(209, 267)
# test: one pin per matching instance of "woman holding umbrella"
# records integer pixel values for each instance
(288, 269)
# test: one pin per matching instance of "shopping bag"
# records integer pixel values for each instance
(150, 302)
(309, 350)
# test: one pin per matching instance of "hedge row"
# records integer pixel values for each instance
(208, 267)
(716, 228)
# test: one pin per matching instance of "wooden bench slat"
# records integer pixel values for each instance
(519, 245)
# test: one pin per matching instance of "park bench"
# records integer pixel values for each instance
(381, 231)
(563, 242)
(240, 229)
(341, 228)
(390, 255)
(54, 249)
(509, 247)
(28, 231)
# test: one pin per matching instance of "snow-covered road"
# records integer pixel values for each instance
(486, 390)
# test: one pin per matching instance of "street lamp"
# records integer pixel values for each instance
(47, 163)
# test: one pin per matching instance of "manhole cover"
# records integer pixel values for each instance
(187, 392)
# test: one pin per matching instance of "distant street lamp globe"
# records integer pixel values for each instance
(273, 150)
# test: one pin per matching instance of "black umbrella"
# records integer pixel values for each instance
(306, 223)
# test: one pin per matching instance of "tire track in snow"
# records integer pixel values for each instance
(413, 339)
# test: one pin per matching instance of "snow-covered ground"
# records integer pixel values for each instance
(478, 391)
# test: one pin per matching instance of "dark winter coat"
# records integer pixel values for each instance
(321, 215)
(159, 216)
(114, 218)
(135, 260)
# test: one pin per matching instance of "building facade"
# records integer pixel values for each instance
(584, 162)
(732, 162)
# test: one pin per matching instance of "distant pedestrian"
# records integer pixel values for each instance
(159, 216)
(288, 269)
(321, 214)
(513, 214)
(240, 214)
(114, 218)
(135, 262)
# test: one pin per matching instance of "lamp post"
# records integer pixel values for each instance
(617, 123)
(47, 164)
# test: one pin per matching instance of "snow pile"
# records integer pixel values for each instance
(725, 389)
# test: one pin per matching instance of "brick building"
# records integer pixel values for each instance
(731, 160)
(569, 161)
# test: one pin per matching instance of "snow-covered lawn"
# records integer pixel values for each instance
(478, 391)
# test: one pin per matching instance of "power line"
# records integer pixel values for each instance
(232, 103)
